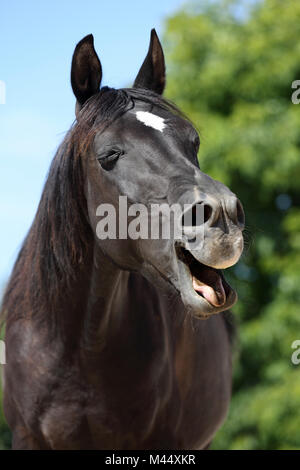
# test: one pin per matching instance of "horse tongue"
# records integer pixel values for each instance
(212, 290)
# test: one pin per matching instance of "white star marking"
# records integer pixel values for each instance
(151, 120)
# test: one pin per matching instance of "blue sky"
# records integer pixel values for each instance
(37, 40)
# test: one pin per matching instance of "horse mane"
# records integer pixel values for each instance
(59, 244)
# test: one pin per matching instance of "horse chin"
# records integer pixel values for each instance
(204, 290)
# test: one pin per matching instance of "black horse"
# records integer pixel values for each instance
(105, 339)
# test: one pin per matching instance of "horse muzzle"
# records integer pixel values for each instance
(209, 245)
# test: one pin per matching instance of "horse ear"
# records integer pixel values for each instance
(86, 70)
(152, 73)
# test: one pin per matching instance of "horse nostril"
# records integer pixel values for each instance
(240, 214)
(196, 215)
(207, 212)
(235, 212)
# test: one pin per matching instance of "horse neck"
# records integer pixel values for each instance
(106, 297)
(85, 313)
(122, 307)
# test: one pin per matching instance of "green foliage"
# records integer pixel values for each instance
(232, 74)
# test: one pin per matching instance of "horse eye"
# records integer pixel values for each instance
(108, 160)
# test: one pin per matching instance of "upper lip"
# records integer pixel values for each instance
(190, 267)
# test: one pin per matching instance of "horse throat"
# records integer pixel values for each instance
(106, 300)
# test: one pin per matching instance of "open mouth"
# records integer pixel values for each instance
(207, 282)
